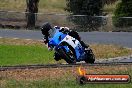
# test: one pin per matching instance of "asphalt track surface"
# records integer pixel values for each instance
(118, 38)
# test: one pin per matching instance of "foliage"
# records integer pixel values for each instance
(88, 8)
(123, 9)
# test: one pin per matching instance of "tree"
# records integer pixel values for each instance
(89, 8)
(123, 9)
(32, 8)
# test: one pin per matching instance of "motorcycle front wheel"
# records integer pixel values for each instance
(69, 57)
(57, 56)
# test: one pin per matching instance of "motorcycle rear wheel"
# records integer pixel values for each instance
(90, 56)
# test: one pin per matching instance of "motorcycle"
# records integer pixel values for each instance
(68, 48)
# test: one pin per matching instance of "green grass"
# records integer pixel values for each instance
(58, 84)
(21, 54)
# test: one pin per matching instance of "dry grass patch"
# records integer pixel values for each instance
(11, 41)
(46, 6)
(110, 51)
(65, 73)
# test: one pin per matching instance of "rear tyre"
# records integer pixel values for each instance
(90, 57)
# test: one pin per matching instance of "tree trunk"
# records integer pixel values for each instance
(32, 8)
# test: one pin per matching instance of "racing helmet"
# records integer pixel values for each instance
(45, 28)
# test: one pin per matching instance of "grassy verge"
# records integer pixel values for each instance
(20, 52)
(58, 84)
(58, 77)
(110, 51)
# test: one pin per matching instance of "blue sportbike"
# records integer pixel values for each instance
(65, 45)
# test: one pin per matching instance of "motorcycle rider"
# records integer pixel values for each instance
(45, 31)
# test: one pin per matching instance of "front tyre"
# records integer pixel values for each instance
(69, 57)
(90, 57)
(57, 56)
